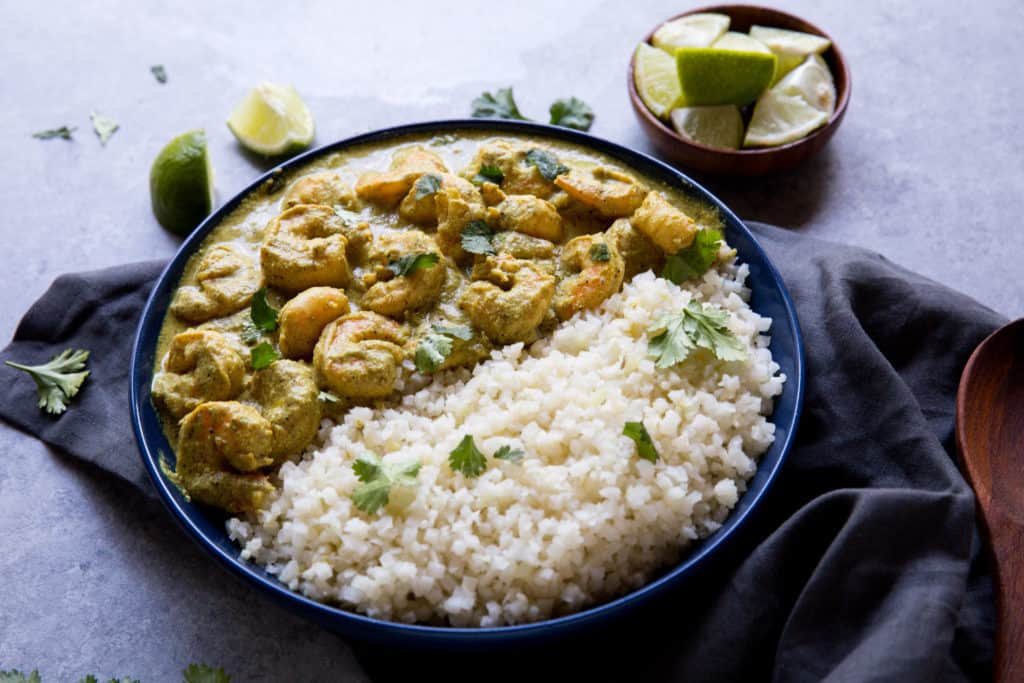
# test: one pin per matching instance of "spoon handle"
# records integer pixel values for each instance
(1008, 547)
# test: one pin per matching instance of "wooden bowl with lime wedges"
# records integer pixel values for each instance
(738, 90)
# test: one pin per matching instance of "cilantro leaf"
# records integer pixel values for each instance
(403, 266)
(328, 397)
(159, 73)
(368, 467)
(201, 673)
(59, 380)
(489, 173)
(571, 113)
(427, 184)
(88, 679)
(463, 332)
(599, 252)
(513, 455)
(431, 352)
(694, 260)
(377, 480)
(467, 458)
(63, 133)
(264, 316)
(547, 163)
(644, 444)
(668, 342)
(15, 676)
(707, 326)
(500, 105)
(673, 337)
(263, 355)
(476, 238)
(104, 126)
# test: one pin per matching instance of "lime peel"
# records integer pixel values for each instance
(181, 183)
(712, 76)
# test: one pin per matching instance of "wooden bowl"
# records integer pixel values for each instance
(746, 162)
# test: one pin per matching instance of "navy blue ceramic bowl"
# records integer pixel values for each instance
(769, 298)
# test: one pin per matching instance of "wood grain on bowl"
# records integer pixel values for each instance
(746, 162)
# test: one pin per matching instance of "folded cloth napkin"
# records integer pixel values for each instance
(863, 562)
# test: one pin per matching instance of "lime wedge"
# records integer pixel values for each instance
(716, 127)
(712, 76)
(813, 81)
(740, 42)
(181, 183)
(657, 80)
(791, 47)
(272, 119)
(780, 118)
(695, 30)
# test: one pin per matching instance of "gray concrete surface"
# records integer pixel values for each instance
(927, 169)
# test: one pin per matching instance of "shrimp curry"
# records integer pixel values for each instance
(388, 262)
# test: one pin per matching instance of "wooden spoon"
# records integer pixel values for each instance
(990, 437)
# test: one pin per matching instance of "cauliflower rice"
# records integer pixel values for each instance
(580, 520)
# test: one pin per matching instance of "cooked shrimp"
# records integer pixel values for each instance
(387, 188)
(226, 279)
(508, 298)
(664, 224)
(455, 211)
(288, 399)
(638, 252)
(612, 193)
(592, 271)
(326, 188)
(422, 210)
(530, 215)
(400, 293)
(220, 444)
(520, 177)
(304, 317)
(522, 246)
(492, 194)
(200, 365)
(358, 355)
(305, 247)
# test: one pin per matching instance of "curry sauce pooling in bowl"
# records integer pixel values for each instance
(385, 263)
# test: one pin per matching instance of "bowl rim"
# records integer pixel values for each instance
(745, 153)
(366, 628)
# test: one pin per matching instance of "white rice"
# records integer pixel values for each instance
(580, 520)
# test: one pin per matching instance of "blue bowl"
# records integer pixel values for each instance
(769, 298)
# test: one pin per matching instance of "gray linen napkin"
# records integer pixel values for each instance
(864, 563)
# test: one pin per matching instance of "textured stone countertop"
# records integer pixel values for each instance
(928, 169)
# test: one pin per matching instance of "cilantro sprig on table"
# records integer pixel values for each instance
(57, 381)
(64, 133)
(568, 112)
(674, 336)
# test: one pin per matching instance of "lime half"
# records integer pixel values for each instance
(712, 76)
(791, 47)
(694, 30)
(181, 183)
(780, 118)
(272, 119)
(657, 80)
(716, 127)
